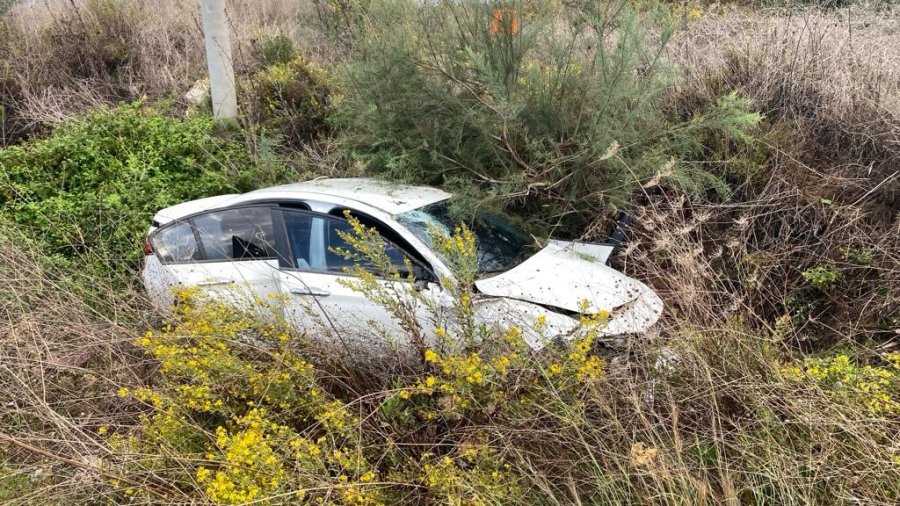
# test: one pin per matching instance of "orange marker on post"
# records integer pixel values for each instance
(505, 21)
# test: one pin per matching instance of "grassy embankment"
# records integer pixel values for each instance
(757, 150)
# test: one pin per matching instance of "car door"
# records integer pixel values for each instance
(229, 254)
(320, 302)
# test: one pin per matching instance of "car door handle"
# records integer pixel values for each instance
(214, 283)
(316, 292)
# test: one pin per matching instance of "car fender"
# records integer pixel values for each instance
(504, 314)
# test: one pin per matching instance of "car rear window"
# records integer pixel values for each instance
(230, 234)
(237, 234)
(176, 243)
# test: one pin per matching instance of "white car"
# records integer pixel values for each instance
(280, 242)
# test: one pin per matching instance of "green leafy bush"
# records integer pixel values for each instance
(821, 277)
(553, 108)
(291, 99)
(88, 191)
(276, 49)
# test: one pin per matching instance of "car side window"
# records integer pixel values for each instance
(237, 234)
(176, 243)
(314, 238)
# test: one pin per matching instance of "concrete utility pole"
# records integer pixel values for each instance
(218, 59)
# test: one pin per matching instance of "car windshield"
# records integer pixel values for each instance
(501, 245)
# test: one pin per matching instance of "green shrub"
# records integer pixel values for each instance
(88, 191)
(563, 112)
(291, 99)
(860, 257)
(821, 277)
(278, 49)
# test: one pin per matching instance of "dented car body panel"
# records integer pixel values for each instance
(278, 243)
(577, 279)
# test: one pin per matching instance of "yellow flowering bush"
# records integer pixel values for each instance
(239, 415)
(493, 376)
(877, 388)
(371, 262)
(245, 410)
(474, 475)
(469, 371)
(460, 253)
(243, 422)
(250, 466)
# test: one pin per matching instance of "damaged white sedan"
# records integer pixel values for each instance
(281, 243)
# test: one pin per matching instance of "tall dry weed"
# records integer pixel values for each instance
(820, 192)
(830, 79)
(62, 357)
(62, 58)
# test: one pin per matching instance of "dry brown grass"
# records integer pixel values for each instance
(831, 78)
(703, 417)
(64, 57)
(823, 187)
(725, 428)
(62, 358)
(746, 259)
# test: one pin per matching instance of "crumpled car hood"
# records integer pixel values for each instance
(564, 274)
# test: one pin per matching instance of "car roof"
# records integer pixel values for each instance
(391, 198)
